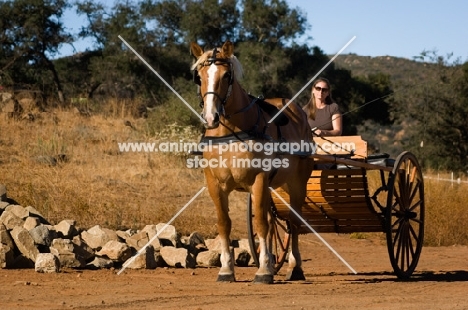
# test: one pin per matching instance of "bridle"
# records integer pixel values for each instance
(196, 79)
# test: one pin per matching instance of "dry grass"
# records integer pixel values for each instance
(97, 184)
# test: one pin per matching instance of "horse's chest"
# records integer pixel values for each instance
(230, 168)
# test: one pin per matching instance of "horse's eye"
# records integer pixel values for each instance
(227, 76)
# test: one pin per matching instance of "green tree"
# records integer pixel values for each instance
(31, 32)
(435, 112)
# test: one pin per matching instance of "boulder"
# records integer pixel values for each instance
(209, 259)
(177, 257)
(47, 263)
(30, 222)
(66, 229)
(10, 220)
(167, 234)
(115, 250)
(145, 259)
(7, 256)
(64, 250)
(24, 242)
(96, 237)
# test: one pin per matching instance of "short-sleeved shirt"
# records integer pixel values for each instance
(323, 117)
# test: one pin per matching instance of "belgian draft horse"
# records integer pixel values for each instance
(234, 118)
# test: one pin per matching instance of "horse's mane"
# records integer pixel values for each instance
(236, 65)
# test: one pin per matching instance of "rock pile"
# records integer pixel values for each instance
(28, 240)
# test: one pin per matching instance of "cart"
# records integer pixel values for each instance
(340, 200)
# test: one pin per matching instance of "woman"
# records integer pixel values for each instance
(323, 114)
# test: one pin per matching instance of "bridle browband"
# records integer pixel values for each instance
(196, 79)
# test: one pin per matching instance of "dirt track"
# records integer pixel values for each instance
(440, 282)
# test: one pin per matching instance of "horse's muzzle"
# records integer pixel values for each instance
(212, 122)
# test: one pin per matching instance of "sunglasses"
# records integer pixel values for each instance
(318, 88)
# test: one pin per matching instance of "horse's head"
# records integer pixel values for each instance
(214, 73)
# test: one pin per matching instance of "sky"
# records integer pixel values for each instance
(400, 28)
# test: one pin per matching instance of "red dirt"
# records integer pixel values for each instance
(440, 282)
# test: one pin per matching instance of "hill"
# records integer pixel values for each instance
(399, 69)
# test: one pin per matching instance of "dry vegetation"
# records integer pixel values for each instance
(95, 183)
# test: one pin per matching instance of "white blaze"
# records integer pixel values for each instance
(210, 108)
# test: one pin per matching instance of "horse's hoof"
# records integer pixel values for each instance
(263, 279)
(295, 275)
(226, 278)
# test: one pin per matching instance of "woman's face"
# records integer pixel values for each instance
(321, 91)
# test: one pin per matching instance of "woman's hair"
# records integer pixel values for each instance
(311, 106)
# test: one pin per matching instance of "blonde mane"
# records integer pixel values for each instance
(236, 65)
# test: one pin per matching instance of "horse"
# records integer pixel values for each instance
(234, 120)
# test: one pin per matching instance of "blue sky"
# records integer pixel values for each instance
(395, 28)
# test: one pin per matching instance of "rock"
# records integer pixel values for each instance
(47, 263)
(18, 210)
(83, 251)
(242, 257)
(245, 245)
(152, 231)
(196, 243)
(66, 229)
(100, 262)
(42, 235)
(10, 220)
(3, 205)
(7, 256)
(64, 249)
(30, 222)
(177, 257)
(209, 259)
(213, 244)
(24, 242)
(5, 237)
(138, 240)
(167, 234)
(33, 212)
(96, 237)
(115, 250)
(146, 260)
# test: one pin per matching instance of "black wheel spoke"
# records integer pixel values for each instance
(405, 215)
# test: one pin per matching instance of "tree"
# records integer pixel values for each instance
(31, 33)
(435, 112)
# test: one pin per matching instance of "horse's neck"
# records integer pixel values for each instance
(239, 120)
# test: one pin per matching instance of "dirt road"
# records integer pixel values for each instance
(440, 282)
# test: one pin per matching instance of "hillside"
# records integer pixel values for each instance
(399, 69)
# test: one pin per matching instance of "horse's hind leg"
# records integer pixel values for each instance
(294, 272)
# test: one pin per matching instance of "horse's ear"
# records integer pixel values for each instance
(195, 50)
(228, 49)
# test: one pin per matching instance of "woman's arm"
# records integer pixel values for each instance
(337, 124)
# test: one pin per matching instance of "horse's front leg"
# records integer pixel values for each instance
(220, 199)
(260, 204)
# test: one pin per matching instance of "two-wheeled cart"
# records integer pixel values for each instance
(340, 200)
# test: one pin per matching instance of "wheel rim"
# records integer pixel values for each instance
(279, 242)
(405, 215)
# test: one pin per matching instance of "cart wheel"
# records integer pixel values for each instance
(405, 215)
(280, 238)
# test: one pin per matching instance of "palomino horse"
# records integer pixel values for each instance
(233, 119)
